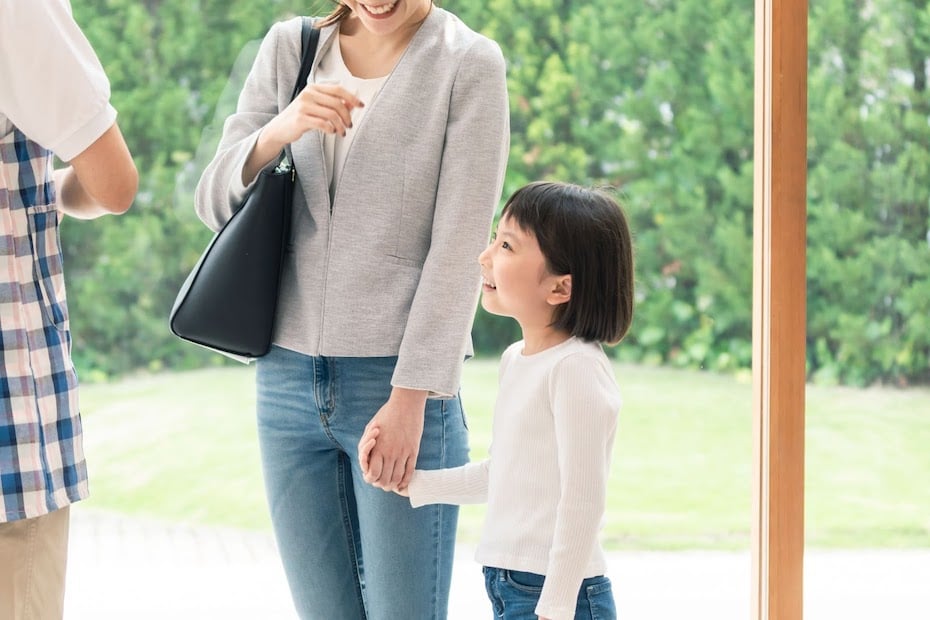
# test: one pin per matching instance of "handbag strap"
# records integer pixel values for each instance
(309, 37)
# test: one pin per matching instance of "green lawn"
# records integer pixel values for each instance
(181, 446)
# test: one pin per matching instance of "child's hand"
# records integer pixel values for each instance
(365, 446)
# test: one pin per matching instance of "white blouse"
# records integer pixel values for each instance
(332, 70)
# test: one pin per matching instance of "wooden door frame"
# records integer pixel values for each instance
(779, 308)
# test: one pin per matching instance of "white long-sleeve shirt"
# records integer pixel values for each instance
(546, 479)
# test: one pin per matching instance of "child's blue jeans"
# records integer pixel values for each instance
(514, 595)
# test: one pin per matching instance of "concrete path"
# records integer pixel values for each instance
(133, 569)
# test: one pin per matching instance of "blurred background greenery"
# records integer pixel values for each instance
(182, 447)
(653, 99)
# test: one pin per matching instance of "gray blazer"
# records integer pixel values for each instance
(389, 267)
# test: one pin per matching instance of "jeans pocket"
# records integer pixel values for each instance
(464, 417)
(490, 585)
(526, 582)
(453, 406)
(600, 599)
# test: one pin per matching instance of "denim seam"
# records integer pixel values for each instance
(437, 522)
(347, 527)
(326, 385)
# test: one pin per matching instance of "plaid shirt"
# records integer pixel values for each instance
(41, 457)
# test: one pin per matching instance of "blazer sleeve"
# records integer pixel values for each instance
(220, 186)
(471, 176)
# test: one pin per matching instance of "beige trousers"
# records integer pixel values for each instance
(33, 557)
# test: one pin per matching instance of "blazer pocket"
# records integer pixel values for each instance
(418, 206)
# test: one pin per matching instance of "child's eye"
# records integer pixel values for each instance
(506, 245)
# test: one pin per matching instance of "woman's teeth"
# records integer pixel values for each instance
(380, 9)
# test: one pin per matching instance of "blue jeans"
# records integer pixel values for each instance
(514, 595)
(351, 551)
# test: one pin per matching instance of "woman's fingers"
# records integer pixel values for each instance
(337, 91)
(397, 474)
(408, 472)
(328, 102)
(322, 107)
(365, 445)
(375, 468)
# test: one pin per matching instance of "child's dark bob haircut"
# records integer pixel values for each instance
(584, 233)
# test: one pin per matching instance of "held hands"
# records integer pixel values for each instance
(365, 446)
(390, 444)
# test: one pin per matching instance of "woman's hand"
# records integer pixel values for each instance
(324, 107)
(321, 107)
(391, 460)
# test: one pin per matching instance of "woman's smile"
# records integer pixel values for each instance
(380, 11)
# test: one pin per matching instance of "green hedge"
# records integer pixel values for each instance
(653, 99)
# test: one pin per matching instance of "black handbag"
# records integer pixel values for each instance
(228, 301)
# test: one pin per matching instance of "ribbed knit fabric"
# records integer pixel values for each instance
(546, 479)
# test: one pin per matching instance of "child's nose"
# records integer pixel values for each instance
(483, 257)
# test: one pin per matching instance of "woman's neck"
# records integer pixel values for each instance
(370, 55)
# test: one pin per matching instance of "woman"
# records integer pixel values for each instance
(400, 142)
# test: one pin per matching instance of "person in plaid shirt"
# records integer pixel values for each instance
(54, 99)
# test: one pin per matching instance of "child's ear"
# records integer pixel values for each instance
(561, 290)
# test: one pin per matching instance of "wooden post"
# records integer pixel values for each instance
(779, 308)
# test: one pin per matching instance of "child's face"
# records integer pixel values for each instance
(515, 280)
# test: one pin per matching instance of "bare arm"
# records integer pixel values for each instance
(102, 179)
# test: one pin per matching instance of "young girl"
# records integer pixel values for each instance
(561, 264)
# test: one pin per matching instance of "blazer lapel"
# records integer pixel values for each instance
(404, 76)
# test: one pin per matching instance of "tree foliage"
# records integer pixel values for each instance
(869, 187)
(654, 99)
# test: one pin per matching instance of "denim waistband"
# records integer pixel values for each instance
(533, 579)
